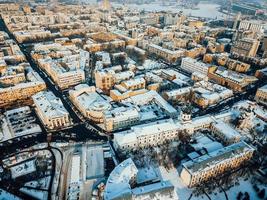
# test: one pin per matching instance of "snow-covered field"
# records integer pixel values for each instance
(184, 193)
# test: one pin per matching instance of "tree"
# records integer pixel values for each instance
(239, 196)
(261, 194)
(246, 196)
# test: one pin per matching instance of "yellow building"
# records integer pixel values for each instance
(197, 24)
(246, 47)
(193, 53)
(234, 80)
(116, 95)
(22, 91)
(166, 54)
(238, 66)
(261, 95)
(104, 80)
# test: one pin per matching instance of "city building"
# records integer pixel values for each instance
(142, 136)
(64, 64)
(246, 47)
(91, 104)
(261, 95)
(51, 111)
(255, 26)
(214, 164)
(225, 132)
(126, 181)
(75, 178)
(18, 122)
(238, 66)
(166, 54)
(121, 117)
(20, 92)
(191, 65)
(206, 94)
(236, 81)
(134, 84)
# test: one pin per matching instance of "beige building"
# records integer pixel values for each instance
(225, 132)
(191, 65)
(121, 93)
(89, 102)
(206, 94)
(104, 80)
(31, 35)
(255, 26)
(146, 135)
(64, 64)
(51, 111)
(234, 80)
(261, 95)
(166, 54)
(21, 91)
(214, 164)
(246, 47)
(194, 53)
(121, 117)
(134, 84)
(21, 88)
(238, 66)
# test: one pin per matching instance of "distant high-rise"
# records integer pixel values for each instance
(106, 5)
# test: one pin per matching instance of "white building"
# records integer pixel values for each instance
(204, 168)
(89, 102)
(121, 184)
(153, 96)
(146, 135)
(23, 168)
(121, 117)
(191, 65)
(261, 95)
(74, 183)
(63, 63)
(225, 132)
(50, 110)
(20, 121)
(254, 26)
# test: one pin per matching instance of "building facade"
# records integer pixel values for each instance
(51, 111)
(214, 164)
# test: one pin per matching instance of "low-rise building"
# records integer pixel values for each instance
(261, 95)
(225, 132)
(181, 94)
(206, 94)
(126, 181)
(64, 64)
(134, 84)
(31, 35)
(91, 104)
(51, 111)
(146, 135)
(21, 91)
(104, 79)
(214, 164)
(246, 47)
(19, 122)
(166, 54)
(194, 53)
(75, 178)
(234, 80)
(121, 117)
(237, 65)
(191, 65)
